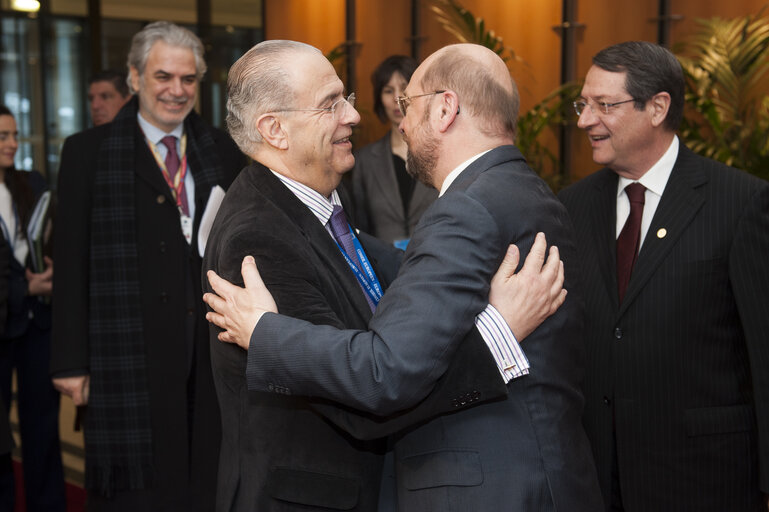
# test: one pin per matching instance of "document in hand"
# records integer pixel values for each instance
(38, 231)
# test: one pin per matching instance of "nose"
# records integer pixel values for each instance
(350, 115)
(587, 118)
(176, 87)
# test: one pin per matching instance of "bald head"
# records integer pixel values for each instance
(481, 80)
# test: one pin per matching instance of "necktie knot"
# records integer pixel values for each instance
(636, 193)
(172, 158)
(338, 223)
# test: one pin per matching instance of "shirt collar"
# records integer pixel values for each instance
(453, 175)
(320, 206)
(656, 178)
(155, 134)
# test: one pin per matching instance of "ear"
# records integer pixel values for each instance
(134, 79)
(660, 105)
(449, 109)
(271, 131)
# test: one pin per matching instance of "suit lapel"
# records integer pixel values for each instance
(679, 204)
(603, 215)
(385, 176)
(317, 236)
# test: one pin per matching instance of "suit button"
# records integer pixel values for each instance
(162, 247)
(618, 333)
(164, 297)
(606, 400)
(160, 199)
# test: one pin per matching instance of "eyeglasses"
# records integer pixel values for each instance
(337, 106)
(405, 101)
(579, 106)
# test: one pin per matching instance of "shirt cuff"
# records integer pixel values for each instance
(505, 349)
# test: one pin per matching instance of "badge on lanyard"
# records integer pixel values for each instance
(186, 227)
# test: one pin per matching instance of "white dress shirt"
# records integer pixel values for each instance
(655, 180)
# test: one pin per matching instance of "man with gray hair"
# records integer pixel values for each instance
(130, 340)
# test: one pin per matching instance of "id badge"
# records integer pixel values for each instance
(186, 227)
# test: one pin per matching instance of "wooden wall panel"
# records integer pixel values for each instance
(383, 29)
(692, 9)
(320, 24)
(526, 28)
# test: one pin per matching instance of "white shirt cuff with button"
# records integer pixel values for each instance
(508, 354)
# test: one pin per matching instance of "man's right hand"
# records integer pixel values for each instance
(74, 387)
(527, 298)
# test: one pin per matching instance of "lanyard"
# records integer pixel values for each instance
(369, 280)
(177, 184)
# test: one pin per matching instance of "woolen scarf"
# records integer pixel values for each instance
(118, 429)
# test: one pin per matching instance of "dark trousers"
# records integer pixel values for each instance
(38, 406)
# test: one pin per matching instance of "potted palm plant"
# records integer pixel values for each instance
(727, 98)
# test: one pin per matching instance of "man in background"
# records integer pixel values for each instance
(674, 248)
(107, 93)
(129, 336)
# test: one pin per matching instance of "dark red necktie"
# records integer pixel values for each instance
(629, 238)
(172, 166)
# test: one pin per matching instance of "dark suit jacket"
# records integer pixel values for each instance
(527, 451)
(278, 453)
(175, 330)
(680, 368)
(378, 204)
(23, 309)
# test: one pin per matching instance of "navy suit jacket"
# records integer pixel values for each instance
(527, 450)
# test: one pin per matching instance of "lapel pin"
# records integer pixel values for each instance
(661, 232)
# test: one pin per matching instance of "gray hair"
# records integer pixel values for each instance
(172, 35)
(259, 83)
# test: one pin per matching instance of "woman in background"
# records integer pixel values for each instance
(26, 341)
(388, 201)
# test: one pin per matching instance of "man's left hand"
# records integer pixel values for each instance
(237, 310)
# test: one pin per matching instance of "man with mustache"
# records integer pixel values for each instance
(129, 335)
